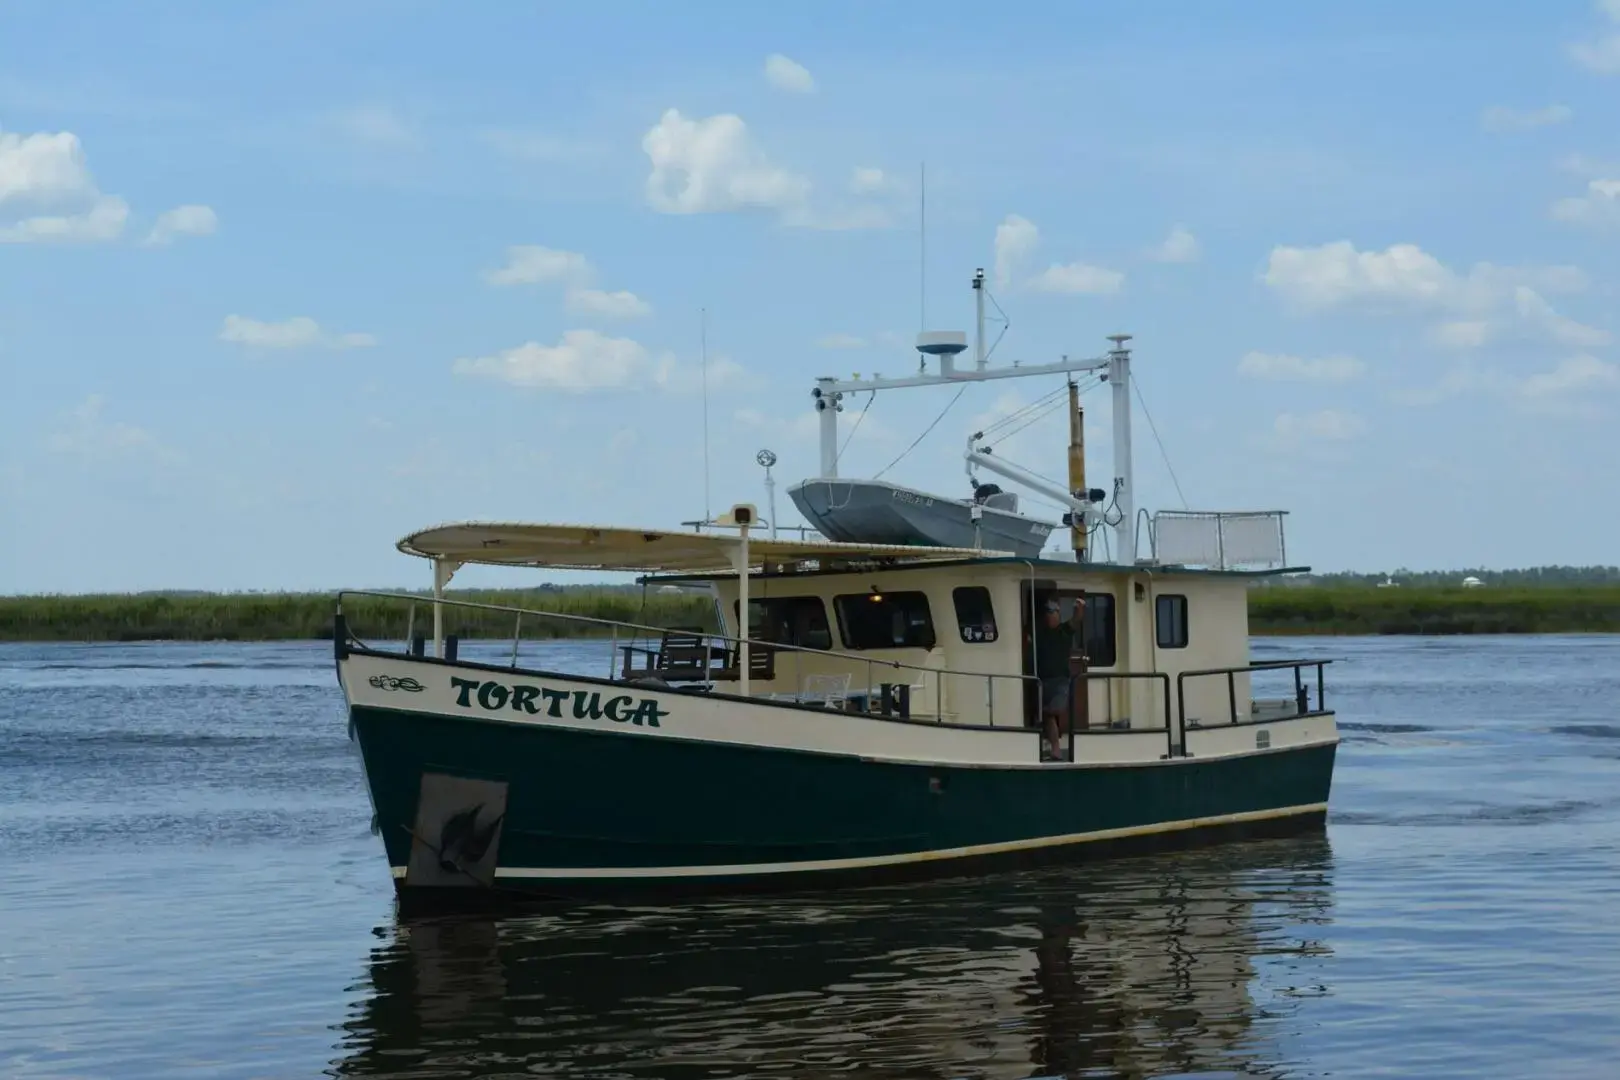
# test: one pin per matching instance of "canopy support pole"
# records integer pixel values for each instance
(443, 571)
(742, 609)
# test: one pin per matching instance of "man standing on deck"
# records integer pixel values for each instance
(1054, 643)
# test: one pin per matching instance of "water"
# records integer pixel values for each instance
(189, 888)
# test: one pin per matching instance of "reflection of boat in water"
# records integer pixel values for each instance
(1142, 967)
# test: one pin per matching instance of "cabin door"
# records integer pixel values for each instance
(1034, 597)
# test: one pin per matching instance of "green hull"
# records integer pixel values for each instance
(628, 815)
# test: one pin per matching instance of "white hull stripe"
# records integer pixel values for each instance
(759, 869)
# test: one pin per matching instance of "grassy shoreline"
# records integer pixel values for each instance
(1293, 610)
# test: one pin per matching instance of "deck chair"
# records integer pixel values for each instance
(683, 656)
(829, 690)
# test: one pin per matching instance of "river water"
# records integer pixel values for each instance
(189, 888)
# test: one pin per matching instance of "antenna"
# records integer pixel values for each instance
(922, 246)
(703, 339)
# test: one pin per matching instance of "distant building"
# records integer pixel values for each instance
(1471, 582)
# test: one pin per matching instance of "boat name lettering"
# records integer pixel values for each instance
(581, 704)
(912, 497)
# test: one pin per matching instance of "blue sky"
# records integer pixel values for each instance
(281, 283)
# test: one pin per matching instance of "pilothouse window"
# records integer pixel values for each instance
(880, 620)
(1170, 618)
(789, 620)
(974, 615)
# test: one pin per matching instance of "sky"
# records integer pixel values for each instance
(281, 283)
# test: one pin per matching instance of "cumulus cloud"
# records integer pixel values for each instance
(190, 220)
(88, 434)
(608, 305)
(587, 360)
(1181, 246)
(1601, 54)
(1077, 278)
(788, 75)
(1574, 386)
(1017, 238)
(47, 193)
(530, 264)
(866, 179)
(582, 360)
(712, 165)
(378, 126)
(1280, 366)
(299, 332)
(1500, 118)
(1476, 305)
(1600, 206)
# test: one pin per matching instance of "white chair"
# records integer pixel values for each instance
(828, 690)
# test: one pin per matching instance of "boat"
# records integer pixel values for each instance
(876, 511)
(859, 712)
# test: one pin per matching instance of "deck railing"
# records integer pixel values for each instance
(892, 696)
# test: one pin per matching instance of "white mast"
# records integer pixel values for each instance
(978, 302)
(1119, 378)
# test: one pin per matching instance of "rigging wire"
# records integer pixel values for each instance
(856, 426)
(1162, 452)
(924, 435)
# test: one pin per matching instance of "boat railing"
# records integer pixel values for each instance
(1260, 710)
(1080, 706)
(691, 666)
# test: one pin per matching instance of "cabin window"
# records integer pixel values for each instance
(1170, 621)
(789, 620)
(880, 620)
(1101, 647)
(974, 617)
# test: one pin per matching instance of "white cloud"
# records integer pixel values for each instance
(299, 332)
(1016, 238)
(1404, 277)
(1501, 118)
(103, 221)
(841, 341)
(608, 305)
(1259, 365)
(1576, 375)
(582, 360)
(1462, 333)
(1539, 314)
(189, 220)
(723, 373)
(376, 125)
(47, 192)
(1601, 54)
(786, 74)
(88, 435)
(1181, 246)
(530, 264)
(1077, 278)
(866, 179)
(1599, 206)
(712, 166)
(1570, 388)
(1329, 425)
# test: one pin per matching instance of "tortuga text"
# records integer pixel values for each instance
(583, 704)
